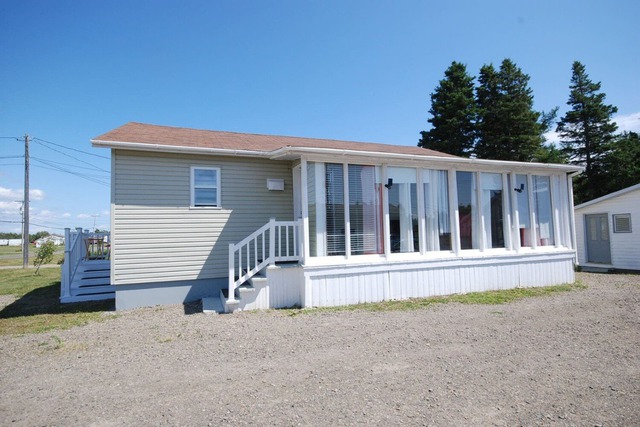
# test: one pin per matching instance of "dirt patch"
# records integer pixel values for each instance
(568, 359)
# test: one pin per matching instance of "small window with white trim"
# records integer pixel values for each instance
(205, 186)
(622, 223)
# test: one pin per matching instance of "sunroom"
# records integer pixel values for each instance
(375, 229)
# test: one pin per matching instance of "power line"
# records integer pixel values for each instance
(33, 223)
(74, 158)
(73, 149)
(11, 157)
(84, 176)
(66, 164)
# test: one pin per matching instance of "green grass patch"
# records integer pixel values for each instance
(37, 306)
(488, 297)
(12, 256)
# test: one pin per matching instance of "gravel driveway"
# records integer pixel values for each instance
(568, 359)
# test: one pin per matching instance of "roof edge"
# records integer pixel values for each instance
(292, 150)
(608, 196)
(143, 146)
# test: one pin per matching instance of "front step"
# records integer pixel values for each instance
(252, 295)
(212, 305)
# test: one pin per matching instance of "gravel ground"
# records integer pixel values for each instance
(568, 359)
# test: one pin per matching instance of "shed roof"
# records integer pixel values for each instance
(608, 196)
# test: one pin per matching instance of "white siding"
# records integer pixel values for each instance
(158, 237)
(625, 247)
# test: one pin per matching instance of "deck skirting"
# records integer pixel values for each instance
(325, 286)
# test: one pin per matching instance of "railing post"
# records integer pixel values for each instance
(66, 268)
(232, 274)
(80, 239)
(272, 240)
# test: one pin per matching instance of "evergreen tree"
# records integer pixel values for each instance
(623, 162)
(549, 153)
(508, 127)
(453, 111)
(586, 132)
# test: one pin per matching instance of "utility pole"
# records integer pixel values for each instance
(25, 211)
(94, 222)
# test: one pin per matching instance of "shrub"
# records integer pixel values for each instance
(44, 255)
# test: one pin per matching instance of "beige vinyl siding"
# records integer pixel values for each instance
(158, 237)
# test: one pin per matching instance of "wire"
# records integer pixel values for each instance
(70, 148)
(74, 158)
(11, 137)
(33, 223)
(12, 157)
(84, 176)
(65, 164)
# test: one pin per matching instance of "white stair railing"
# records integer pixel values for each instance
(273, 242)
(80, 245)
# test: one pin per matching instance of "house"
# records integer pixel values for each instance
(55, 238)
(258, 221)
(605, 233)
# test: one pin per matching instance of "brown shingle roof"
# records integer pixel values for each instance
(193, 138)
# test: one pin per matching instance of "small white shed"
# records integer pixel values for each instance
(608, 230)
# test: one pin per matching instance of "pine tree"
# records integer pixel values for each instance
(586, 132)
(623, 162)
(453, 111)
(508, 127)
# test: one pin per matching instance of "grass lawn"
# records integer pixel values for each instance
(16, 255)
(37, 306)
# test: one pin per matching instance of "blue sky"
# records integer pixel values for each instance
(352, 70)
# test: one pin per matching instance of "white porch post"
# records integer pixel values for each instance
(455, 214)
(422, 229)
(506, 213)
(555, 209)
(515, 214)
(232, 279)
(482, 235)
(385, 213)
(304, 200)
(532, 214)
(345, 201)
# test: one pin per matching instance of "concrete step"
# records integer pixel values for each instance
(212, 305)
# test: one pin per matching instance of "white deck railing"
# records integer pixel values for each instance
(81, 245)
(273, 242)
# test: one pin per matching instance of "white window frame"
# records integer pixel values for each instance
(616, 229)
(218, 187)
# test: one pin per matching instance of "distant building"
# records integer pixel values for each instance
(55, 238)
(10, 242)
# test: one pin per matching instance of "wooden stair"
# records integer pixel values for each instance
(91, 282)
